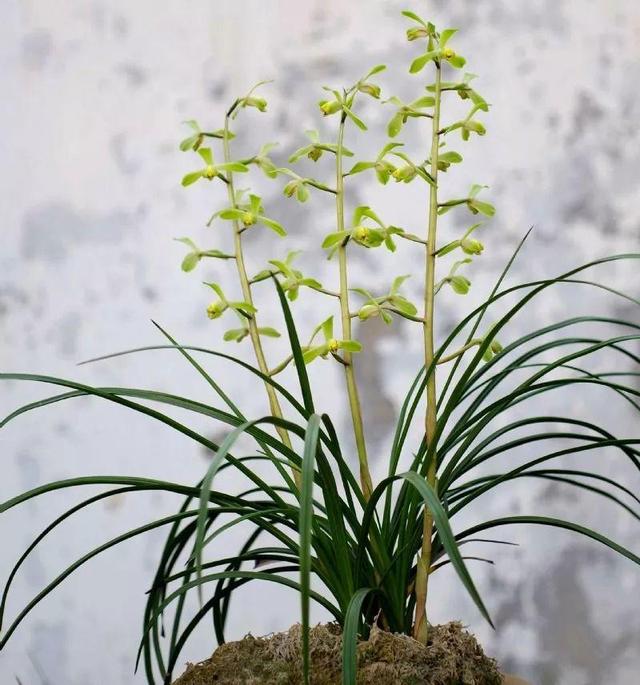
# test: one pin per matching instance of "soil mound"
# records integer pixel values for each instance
(452, 657)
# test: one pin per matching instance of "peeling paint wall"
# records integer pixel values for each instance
(93, 96)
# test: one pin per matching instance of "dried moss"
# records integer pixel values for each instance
(452, 657)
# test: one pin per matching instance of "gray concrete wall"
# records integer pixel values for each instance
(93, 96)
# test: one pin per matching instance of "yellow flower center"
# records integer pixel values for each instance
(448, 53)
(209, 172)
(248, 218)
(214, 310)
(362, 233)
(333, 345)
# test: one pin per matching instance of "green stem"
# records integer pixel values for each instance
(424, 562)
(274, 403)
(352, 388)
(454, 355)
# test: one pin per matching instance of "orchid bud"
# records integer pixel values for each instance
(369, 89)
(385, 167)
(460, 284)
(330, 107)
(496, 347)
(216, 309)
(417, 32)
(290, 189)
(367, 311)
(471, 246)
(258, 103)
(406, 173)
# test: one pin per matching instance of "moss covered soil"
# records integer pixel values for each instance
(452, 657)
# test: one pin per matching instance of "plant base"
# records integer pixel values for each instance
(452, 657)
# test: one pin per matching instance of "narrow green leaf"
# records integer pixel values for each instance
(446, 535)
(306, 532)
(350, 635)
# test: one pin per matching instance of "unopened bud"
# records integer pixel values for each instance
(330, 107)
(258, 103)
(370, 89)
(471, 246)
(290, 188)
(384, 166)
(496, 347)
(416, 32)
(215, 309)
(460, 284)
(367, 311)
(315, 153)
(406, 173)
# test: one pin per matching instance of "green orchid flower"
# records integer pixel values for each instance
(239, 334)
(218, 307)
(409, 170)
(423, 30)
(464, 90)
(250, 100)
(446, 159)
(264, 162)
(330, 346)
(474, 205)
(343, 102)
(212, 170)
(363, 233)
(383, 167)
(404, 111)
(192, 258)
(293, 278)
(384, 306)
(437, 51)
(250, 214)
(459, 284)
(316, 149)
(195, 140)
(298, 187)
(469, 245)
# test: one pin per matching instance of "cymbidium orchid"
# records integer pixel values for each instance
(212, 170)
(371, 542)
(330, 346)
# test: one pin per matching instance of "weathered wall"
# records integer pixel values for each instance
(93, 96)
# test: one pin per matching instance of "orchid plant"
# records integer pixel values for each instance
(372, 546)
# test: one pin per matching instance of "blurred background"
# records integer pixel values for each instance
(94, 94)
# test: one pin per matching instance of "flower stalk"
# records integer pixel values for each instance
(252, 324)
(424, 562)
(345, 316)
